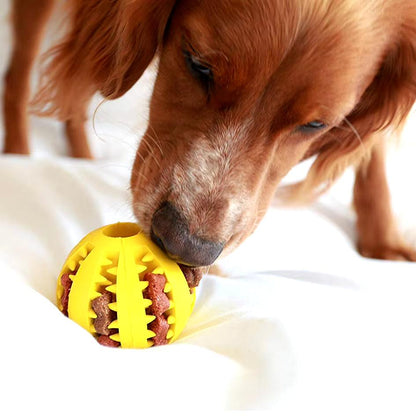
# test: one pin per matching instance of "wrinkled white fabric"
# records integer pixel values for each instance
(302, 325)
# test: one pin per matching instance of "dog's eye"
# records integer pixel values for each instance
(198, 69)
(312, 127)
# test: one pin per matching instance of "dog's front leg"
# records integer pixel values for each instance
(29, 20)
(378, 236)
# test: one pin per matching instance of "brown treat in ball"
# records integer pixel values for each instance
(154, 292)
(192, 275)
(66, 284)
(160, 304)
(104, 314)
(107, 341)
(160, 327)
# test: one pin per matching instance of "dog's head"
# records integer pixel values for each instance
(245, 90)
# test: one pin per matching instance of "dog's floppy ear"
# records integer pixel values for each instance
(386, 103)
(108, 46)
(391, 95)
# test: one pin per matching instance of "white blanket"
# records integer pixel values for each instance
(303, 324)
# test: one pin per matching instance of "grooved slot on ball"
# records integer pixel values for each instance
(170, 313)
(109, 267)
(70, 270)
(106, 324)
(153, 267)
(105, 305)
(73, 262)
(122, 229)
(156, 302)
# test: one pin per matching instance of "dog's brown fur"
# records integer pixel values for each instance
(218, 153)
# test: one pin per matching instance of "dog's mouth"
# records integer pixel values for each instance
(193, 275)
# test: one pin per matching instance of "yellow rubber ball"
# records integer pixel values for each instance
(122, 288)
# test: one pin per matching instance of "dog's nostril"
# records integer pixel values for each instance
(157, 240)
(170, 232)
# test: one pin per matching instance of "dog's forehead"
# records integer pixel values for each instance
(286, 48)
(236, 38)
(254, 38)
(237, 29)
(270, 27)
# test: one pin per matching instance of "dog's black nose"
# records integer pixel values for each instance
(170, 231)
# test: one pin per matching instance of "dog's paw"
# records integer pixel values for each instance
(397, 251)
(13, 148)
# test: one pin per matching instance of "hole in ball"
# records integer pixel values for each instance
(122, 229)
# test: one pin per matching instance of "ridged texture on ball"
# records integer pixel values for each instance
(116, 261)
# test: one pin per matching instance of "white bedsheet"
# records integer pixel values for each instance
(303, 324)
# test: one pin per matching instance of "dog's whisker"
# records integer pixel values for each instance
(151, 150)
(107, 136)
(94, 118)
(354, 130)
(138, 173)
(155, 140)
